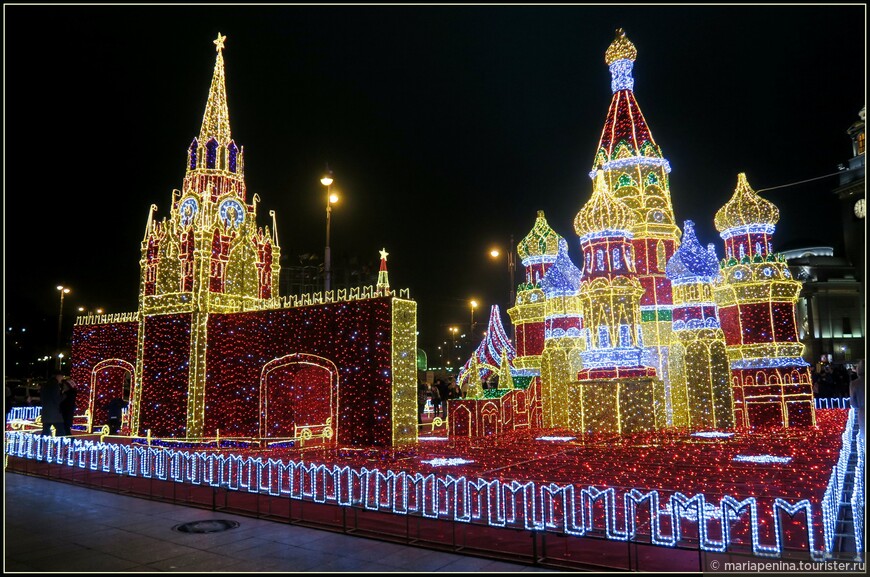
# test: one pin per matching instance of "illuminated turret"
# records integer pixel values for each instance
(637, 173)
(615, 392)
(563, 327)
(756, 299)
(699, 370)
(537, 252)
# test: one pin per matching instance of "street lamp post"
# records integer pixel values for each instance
(473, 304)
(63, 292)
(495, 253)
(331, 198)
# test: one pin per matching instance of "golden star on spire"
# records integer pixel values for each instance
(384, 254)
(219, 43)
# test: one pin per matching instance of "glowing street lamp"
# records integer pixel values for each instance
(331, 198)
(495, 253)
(63, 292)
(473, 304)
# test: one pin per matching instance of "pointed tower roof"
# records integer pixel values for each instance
(692, 262)
(492, 349)
(383, 277)
(563, 278)
(216, 120)
(626, 136)
(603, 211)
(746, 208)
(542, 240)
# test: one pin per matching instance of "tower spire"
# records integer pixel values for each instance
(383, 279)
(216, 120)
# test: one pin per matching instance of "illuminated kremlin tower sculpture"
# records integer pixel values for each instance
(699, 371)
(615, 392)
(214, 351)
(756, 300)
(637, 173)
(209, 256)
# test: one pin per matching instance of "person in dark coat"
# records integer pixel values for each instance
(443, 393)
(68, 403)
(436, 400)
(115, 408)
(50, 397)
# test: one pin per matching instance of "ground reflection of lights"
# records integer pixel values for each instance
(451, 462)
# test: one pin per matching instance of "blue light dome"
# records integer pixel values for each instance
(563, 278)
(692, 262)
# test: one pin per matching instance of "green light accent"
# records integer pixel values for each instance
(495, 393)
(522, 382)
(624, 180)
(659, 315)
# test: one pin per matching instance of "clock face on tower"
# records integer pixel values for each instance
(859, 208)
(232, 212)
(188, 210)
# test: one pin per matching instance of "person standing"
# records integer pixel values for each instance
(115, 409)
(443, 393)
(68, 403)
(50, 397)
(436, 400)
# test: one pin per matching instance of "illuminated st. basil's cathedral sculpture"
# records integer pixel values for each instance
(649, 333)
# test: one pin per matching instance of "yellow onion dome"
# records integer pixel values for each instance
(603, 211)
(745, 208)
(620, 49)
(542, 240)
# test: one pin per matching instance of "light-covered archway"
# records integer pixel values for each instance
(299, 398)
(110, 379)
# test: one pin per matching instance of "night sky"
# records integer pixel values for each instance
(447, 128)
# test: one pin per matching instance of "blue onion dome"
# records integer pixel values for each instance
(563, 278)
(692, 262)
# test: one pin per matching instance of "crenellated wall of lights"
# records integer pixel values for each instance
(441, 486)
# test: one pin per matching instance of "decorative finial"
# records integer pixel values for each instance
(620, 49)
(384, 254)
(219, 43)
